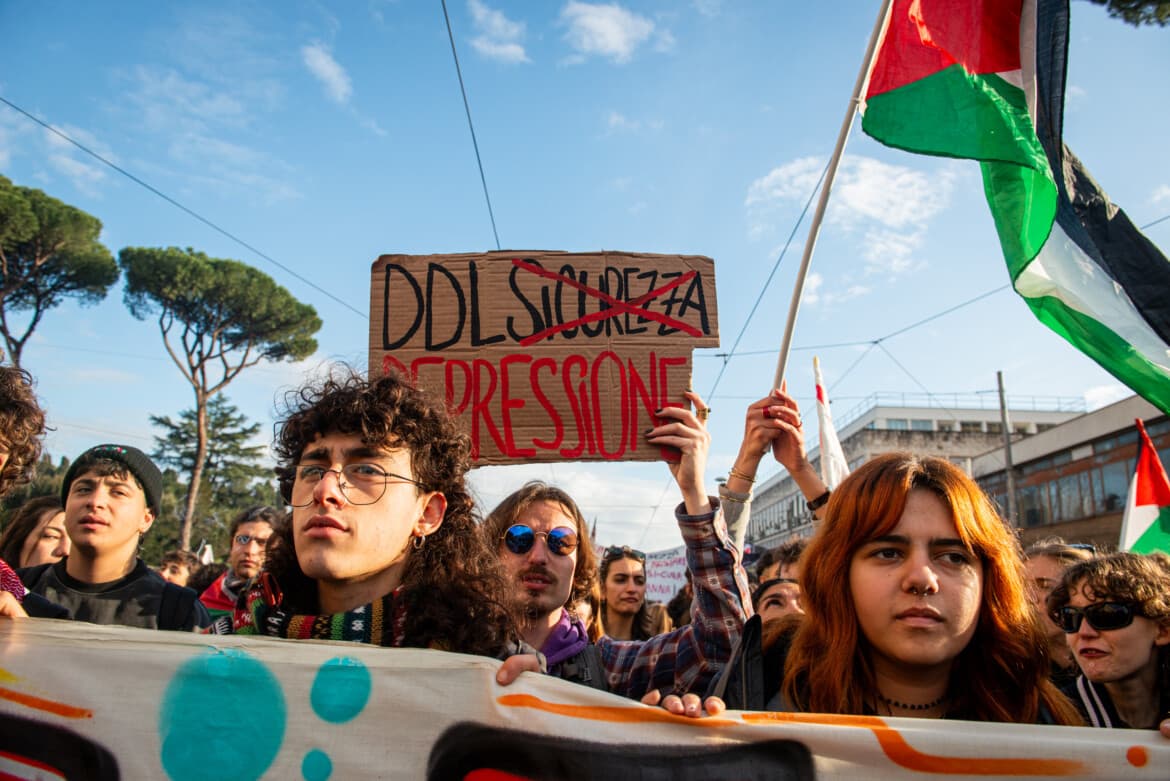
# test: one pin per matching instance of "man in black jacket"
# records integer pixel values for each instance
(111, 496)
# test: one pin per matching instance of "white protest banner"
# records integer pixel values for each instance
(666, 573)
(81, 701)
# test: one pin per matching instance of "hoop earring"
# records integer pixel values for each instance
(418, 541)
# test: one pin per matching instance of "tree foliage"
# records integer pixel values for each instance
(49, 251)
(217, 317)
(234, 477)
(1138, 12)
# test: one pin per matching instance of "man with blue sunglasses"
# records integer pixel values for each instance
(543, 544)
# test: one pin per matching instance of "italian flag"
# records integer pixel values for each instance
(1145, 527)
(984, 80)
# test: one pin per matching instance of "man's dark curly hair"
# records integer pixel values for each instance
(454, 585)
(22, 424)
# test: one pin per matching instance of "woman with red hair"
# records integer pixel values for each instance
(931, 619)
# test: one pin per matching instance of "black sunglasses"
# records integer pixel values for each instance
(622, 551)
(520, 538)
(1102, 616)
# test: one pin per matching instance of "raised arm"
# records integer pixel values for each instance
(689, 657)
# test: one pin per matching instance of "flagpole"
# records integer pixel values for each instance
(819, 214)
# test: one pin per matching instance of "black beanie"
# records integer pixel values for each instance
(139, 464)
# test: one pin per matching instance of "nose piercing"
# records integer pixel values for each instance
(914, 590)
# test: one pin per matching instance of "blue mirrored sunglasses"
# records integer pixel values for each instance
(520, 538)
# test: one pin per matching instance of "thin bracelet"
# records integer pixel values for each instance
(733, 472)
(729, 498)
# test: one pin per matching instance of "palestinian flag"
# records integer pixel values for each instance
(1145, 527)
(984, 79)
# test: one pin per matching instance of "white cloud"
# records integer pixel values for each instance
(708, 8)
(787, 182)
(169, 101)
(893, 195)
(510, 53)
(217, 163)
(1104, 395)
(616, 121)
(12, 128)
(890, 252)
(815, 293)
(889, 205)
(885, 207)
(83, 172)
(812, 286)
(637, 208)
(326, 70)
(499, 37)
(1160, 194)
(608, 31)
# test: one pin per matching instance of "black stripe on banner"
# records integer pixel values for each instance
(1100, 228)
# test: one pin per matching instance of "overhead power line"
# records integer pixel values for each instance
(470, 125)
(767, 282)
(189, 211)
(728, 356)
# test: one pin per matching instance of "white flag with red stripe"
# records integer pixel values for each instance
(834, 467)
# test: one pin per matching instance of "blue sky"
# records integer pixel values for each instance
(328, 134)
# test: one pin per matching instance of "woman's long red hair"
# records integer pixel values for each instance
(1002, 674)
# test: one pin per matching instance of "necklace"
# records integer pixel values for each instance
(908, 706)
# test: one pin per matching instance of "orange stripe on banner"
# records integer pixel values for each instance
(901, 753)
(835, 719)
(608, 713)
(56, 708)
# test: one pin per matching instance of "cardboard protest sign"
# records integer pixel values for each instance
(666, 573)
(546, 356)
(103, 702)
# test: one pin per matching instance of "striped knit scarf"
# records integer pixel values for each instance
(382, 622)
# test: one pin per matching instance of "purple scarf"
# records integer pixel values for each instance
(568, 639)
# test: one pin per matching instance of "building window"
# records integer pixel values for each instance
(1031, 506)
(921, 425)
(1069, 490)
(970, 426)
(1114, 487)
(994, 428)
(897, 424)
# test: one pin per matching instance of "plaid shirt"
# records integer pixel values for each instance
(687, 659)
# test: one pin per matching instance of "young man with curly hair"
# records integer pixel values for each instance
(383, 546)
(22, 424)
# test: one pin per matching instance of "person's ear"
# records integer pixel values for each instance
(147, 521)
(432, 514)
(1163, 635)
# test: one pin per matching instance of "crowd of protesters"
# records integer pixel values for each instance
(912, 599)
